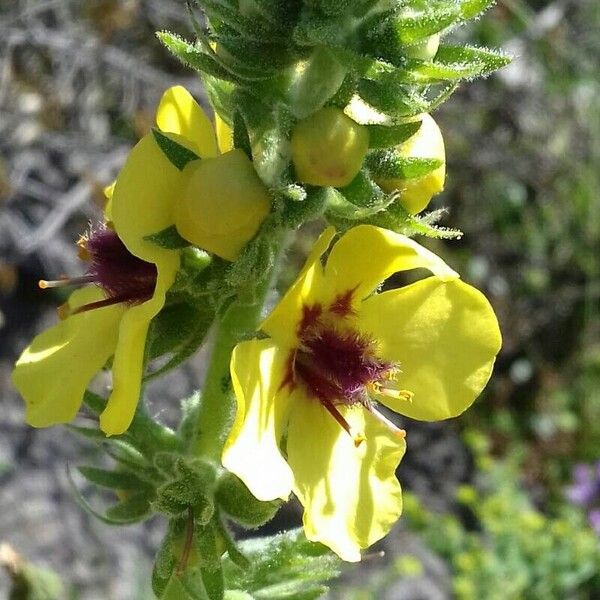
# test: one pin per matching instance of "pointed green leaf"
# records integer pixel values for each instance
(487, 60)
(196, 336)
(269, 131)
(178, 155)
(393, 97)
(284, 566)
(248, 28)
(386, 136)
(389, 164)
(470, 9)
(214, 583)
(193, 57)
(113, 480)
(412, 28)
(315, 83)
(132, 510)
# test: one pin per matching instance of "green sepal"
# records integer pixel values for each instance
(386, 136)
(253, 55)
(164, 563)
(422, 72)
(469, 9)
(178, 155)
(132, 510)
(486, 59)
(237, 502)
(389, 164)
(269, 130)
(167, 238)
(339, 207)
(392, 97)
(189, 484)
(256, 30)
(188, 348)
(316, 29)
(245, 72)
(284, 566)
(171, 328)
(209, 545)
(126, 455)
(411, 28)
(310, 88)
(241, 139)
(230, 545)
(220, 94)
(191, 56)
(214, 582)
(295, 213)
(362, 190)
(397, 218)
(114, 480)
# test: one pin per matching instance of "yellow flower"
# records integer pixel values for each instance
(306, 395)
(131, 277)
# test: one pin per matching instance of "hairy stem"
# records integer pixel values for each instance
(218, 404)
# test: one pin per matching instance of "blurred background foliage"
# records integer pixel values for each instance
(78, 84)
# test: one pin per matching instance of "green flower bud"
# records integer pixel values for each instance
(415, 194)
(328, 148)
(424, 50)
(235, 499)
(222, 205)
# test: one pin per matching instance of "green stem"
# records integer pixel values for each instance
(218, 404)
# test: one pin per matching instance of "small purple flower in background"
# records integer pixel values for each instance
(585, 492)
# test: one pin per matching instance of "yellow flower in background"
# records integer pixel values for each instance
(306, 395)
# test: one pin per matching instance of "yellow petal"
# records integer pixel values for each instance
(143, 198)
(224, 135)
(351, 496)
(128, 363)
(366, 256)
(179, 113)
(445, 337)
(282, 323)
(258, 370)
(54, 371)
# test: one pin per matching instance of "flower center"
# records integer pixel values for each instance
(338, 365)
(122, 276)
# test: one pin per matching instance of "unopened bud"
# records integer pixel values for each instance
(223, 204)
(328, 148)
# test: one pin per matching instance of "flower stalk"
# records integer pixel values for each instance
(240, 318)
